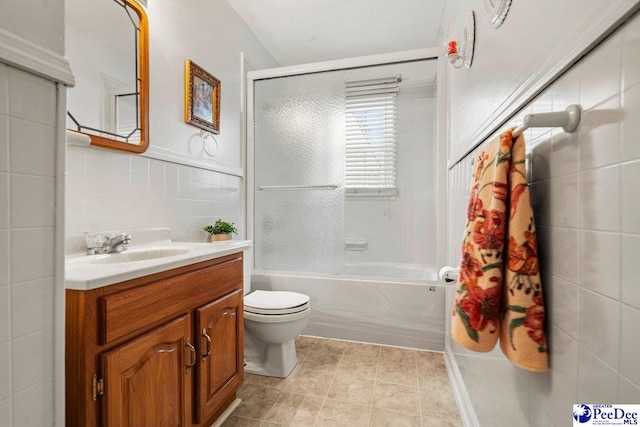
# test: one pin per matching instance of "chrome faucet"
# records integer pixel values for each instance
(100, 244)
(117, 243)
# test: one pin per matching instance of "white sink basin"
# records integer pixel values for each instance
(138, 255)
(153, 253)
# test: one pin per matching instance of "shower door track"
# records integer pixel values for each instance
(298, 187)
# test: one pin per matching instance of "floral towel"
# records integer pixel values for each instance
(499, 293)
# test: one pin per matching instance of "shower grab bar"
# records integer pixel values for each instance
(298, 187)
(567, 120)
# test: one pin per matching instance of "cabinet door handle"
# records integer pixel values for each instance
(192, 355)
(208, 344)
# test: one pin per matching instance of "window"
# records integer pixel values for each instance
(371, 138)
(127, 116)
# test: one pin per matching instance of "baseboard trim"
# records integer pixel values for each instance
(467, 412)
(24, 54)
(223, 417)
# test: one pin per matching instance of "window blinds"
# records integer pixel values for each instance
(371, 137)
(127, 116)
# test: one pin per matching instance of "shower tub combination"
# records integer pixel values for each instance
(381, 310)
(365, 257)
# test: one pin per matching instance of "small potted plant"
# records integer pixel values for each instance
(221, 230)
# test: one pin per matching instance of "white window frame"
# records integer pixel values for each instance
(371, 145)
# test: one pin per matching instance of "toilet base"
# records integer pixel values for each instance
(279, 361)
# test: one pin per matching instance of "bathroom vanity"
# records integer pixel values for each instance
(159, 348)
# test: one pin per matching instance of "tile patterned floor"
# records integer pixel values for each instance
(349, 384)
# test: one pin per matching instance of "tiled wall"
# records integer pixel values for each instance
(587, 206)
(27, 196)
(109, 190)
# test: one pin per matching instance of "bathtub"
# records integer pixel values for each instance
(407, 311)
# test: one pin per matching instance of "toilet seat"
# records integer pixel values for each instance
(272, 303)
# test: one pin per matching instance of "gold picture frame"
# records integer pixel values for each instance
(202, 98)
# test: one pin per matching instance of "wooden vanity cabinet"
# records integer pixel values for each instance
(221, 328)
(160, 350)
(146, 383)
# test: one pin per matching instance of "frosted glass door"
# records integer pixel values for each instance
(299, 128)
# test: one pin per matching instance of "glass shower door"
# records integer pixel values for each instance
(299, 129)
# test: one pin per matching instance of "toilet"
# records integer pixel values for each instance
(272, 320)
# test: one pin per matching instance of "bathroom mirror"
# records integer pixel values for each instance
(107, 46)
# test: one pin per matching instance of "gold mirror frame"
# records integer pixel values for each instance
(142, 62)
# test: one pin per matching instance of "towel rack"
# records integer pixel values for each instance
(298, 187)
(567, 120)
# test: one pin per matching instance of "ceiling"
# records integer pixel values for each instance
(303, 31)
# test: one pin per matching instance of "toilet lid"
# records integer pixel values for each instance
(277, 302)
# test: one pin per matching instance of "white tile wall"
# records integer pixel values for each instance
(27, 200)
(33, 407)
(31, 98)
(630, 344)
(127, 192)
(4, 199)
(630, 125)
(4, 256)
(5, 371)
(597, 381)
(561, 303)
(600, 262)
(630, 182)
(630, 288)
(627, 392)
(31, 149)
(600, 330)
(35, 353)
(5, 412)
(601, 72)
(564, 199)
(598, 127)
(4, 90)
(27, 208)
(587, 207)
(35, 311)
(4, 141)
(5, 314)
(600, 199)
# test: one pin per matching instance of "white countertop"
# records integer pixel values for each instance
(85, 272)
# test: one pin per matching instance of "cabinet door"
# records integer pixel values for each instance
(221, 357)
(147, 381)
